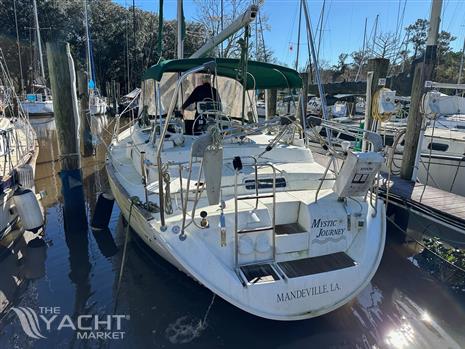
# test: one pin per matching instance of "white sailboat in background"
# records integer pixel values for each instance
(97, 104)
(38, 101)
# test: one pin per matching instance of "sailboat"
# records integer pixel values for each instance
(38, 101)
(243, 208)
(20, 209)
(97, 104)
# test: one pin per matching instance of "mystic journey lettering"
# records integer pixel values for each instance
(307, 292)
(327, 227)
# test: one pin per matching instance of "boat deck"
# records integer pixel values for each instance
(438, 200)
(258, 273)
(316, 265)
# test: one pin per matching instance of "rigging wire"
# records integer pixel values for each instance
(265, 58)
(298, 37)
(19, 48)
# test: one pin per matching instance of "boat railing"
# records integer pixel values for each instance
(206, 66)
(117, 129)
(12, 150)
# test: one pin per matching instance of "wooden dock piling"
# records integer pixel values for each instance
(423, 72)
(65, 104)
(271, 97)
(63, 84)
(379, 67)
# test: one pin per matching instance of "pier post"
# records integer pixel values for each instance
(65, 105)
(423, 72)
(63, 84)
(271, 96)
(85, 132)
(379, 67)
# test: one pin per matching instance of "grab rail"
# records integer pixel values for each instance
(204, 66)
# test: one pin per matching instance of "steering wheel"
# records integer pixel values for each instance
(210, 117)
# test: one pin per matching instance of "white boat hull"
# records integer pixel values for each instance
(35, 109)
(293, 299)
(98, 109)
(446, 172)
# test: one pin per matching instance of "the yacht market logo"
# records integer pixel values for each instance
(39, 324)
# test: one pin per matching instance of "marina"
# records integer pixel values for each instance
(184, 188)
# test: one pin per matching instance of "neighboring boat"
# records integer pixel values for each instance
(339, 109)
(443, 146)
(261, 109)
(243, 208)
(130, 98)
(442, 162)
(38, 101)
(20, 209)
(97, 104)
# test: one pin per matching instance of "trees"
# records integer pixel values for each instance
(111, 27)
(340, 69)
(418, 34)
(385, 46)
(209, 15)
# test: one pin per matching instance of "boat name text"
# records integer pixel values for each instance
(331, 224)
(307, 292)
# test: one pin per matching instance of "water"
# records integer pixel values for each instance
(403, 307)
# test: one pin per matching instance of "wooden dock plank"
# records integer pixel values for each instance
(429, 197)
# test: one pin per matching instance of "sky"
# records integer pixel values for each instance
(343, 26)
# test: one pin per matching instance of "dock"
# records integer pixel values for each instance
(437, 211)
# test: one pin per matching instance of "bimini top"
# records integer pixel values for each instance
(260, 75)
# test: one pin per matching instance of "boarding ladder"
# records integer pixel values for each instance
(255, 197)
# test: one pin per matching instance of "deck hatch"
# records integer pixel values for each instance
(316, 265)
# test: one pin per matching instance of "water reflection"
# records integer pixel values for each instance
(403, 306)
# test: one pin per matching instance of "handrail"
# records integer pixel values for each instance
(165, 129)
(374, 138)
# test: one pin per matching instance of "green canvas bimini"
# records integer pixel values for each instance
(259, 75)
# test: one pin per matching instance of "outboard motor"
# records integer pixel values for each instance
(28, 209)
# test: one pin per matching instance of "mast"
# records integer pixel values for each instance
(222, 26)
(374, 35)
(19, 48)
(134, 59)
(88, 59)
(128, 60)
(240, 22)
(298, 38)
(39, 42)
(461, 63)
(322, 18)
(363, 51)
(315, 61)
(180, 17)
